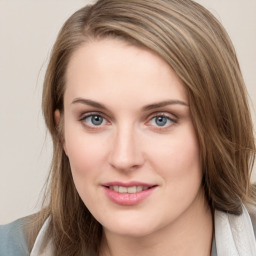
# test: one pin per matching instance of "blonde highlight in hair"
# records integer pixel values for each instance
(198, 49)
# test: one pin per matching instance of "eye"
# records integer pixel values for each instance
(162, 121)
(93, 120)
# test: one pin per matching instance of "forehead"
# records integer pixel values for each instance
(111, 67)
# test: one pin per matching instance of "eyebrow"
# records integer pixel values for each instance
(89, 102)
(145, 108)
(163, 104)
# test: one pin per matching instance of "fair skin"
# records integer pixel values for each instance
(127, 127)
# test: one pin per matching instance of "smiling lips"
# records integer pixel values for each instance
(130, 190)
(128, 194)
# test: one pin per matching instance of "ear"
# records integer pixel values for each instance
(59, 127)
(57, 116)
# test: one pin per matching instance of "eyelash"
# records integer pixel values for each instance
(84, 117)
(163, 115)
(172, 120)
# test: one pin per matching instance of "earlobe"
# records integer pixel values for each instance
(57, 117)
(59, 127)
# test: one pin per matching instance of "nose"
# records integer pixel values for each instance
(126, 152)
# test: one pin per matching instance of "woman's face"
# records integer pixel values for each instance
(130, 140)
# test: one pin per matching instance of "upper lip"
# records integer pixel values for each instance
(127, 184)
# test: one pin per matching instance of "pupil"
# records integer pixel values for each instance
(97, 120)
(161, 121)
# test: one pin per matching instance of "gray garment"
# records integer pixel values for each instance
(214, 250)
(12, 239)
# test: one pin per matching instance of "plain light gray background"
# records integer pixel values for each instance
(28, 29)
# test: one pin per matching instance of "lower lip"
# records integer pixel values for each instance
(128, 198)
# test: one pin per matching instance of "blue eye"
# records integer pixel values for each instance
(161, 121)
(94, 120)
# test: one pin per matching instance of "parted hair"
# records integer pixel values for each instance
(196, 46)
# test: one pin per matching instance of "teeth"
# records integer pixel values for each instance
(130, 190)
(139, 188)
(122, 189)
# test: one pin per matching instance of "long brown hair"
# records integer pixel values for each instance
(197, 48)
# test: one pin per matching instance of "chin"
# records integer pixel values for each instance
(131, 227)
(133, 232)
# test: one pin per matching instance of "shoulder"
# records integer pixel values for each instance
(12, 238)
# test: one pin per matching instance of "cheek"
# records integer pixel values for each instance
(85, 154)
(179, 164)
(178, 158)
(85, 157)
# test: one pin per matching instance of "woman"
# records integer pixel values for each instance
(152, 136)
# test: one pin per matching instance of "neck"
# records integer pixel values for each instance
(190, 234)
